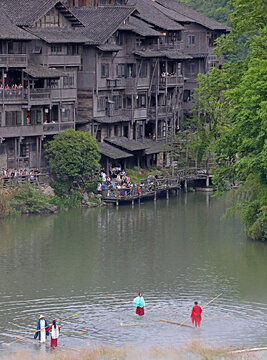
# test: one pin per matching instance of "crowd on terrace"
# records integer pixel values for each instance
(20, 175)
(116, 180)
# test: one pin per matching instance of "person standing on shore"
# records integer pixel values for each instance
(196, 315)
(41, 330)
(55, 330)
(139, 303)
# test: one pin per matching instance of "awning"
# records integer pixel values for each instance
(112, 152)
(38, 71)
(112, 119)
(109, 47)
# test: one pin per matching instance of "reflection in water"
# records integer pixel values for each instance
(175, 251)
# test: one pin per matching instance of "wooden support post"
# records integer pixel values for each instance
(117, 203)
(133, 203)
(167, 194)
(139, 200)
(177, 192)
(185, 185)
(207, 181)
(155, 196)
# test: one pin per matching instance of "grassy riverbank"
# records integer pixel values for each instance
(193, 351)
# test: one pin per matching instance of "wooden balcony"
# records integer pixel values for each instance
(13, 60)
(62, 60)
(35, 130)
(13, 96)
(140, 113)
(171, 81)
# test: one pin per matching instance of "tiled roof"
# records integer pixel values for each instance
(112, 119)
(38, 71)
(149, 13)
(155, 147)
(27, 12)
(184, 10)
(127, 144)
(139, 27)
(109, 47)
(113, 152)
(173, 14)
(8, 30)
(59, 35)
(101, 22)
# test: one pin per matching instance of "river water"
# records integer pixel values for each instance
(174, 251)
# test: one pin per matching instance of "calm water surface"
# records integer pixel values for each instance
(175, 251)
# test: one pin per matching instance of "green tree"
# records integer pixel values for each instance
(73, 157)
(216, 9)
(232, 115)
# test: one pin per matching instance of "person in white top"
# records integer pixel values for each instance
(55, 330)
(42, 329)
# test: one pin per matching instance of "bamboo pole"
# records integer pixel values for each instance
(141, 324)
(187, 319)
(23, 338)
(176, 323)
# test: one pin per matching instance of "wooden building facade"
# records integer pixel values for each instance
(123, 70)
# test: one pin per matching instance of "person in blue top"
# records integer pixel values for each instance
(42, 327)
(139, 303)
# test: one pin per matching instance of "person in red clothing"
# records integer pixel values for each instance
(55, 330)
(196, 315)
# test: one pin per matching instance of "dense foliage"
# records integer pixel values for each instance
(233, 121)
(74, 159)
(216, 9)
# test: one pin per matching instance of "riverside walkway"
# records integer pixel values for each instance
(159, 187)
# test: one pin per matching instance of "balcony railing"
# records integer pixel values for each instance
(13, 60)
(34, 130)
(12, 95)
(169, 80)
(40, 94)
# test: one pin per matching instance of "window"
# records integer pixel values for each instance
(56, 49)
(72, 49)
(16, 47)
(191, 40)
(101, 103)
(127, 102)
(68, 81)
(139, 41)
(131, 70)
(116, 130)
(35, 116)
(52, 83)
(13, 118)
(119, 38)
(142, 72)
(141, 101)
(104, 70)
(67, 113)
(117, 102)
(192, 68)
(121, 70)
(187, 95)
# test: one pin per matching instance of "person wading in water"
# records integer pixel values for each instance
(196, 315)
(55, 330)
(42, 332)
(139, 303)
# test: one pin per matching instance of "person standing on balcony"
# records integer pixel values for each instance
(28, 120)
